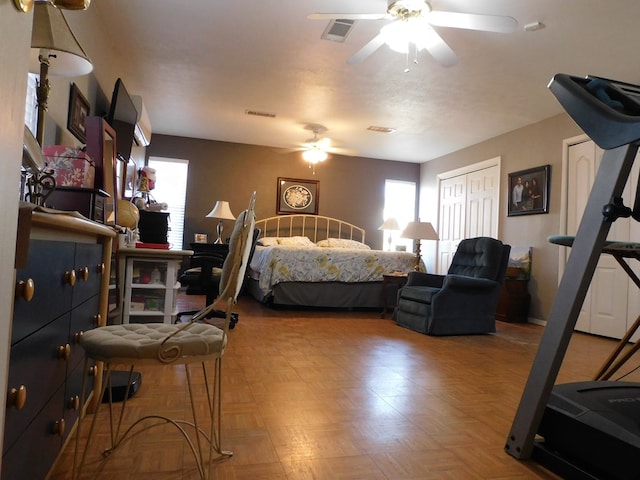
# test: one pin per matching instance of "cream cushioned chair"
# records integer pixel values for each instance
(163, 344)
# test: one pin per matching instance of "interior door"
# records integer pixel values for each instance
(604, 310)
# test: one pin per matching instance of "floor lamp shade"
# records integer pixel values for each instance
(52, 32)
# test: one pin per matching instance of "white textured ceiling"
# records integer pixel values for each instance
(199, 64)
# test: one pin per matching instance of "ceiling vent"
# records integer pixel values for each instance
(375, 128)
(338, 29)
(260, 114)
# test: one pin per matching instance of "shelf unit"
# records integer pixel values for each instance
(151, 284)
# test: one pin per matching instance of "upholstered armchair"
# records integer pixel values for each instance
(464, 300)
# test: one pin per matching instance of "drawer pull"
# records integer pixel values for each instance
(25, 289)
(97, 318)
(64, 352)
(17, 397)
(93, 371)
(70, 277)
(101, 269)
(58, 427)
(77, 336)
(84, 273)
(74, 403)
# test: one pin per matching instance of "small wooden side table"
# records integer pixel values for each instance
(391, 283)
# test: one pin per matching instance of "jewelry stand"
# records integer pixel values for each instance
(609, 112)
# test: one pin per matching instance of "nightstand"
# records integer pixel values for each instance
(391, 283)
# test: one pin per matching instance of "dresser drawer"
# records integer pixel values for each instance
(37, 446)
(36, 364)
(73, 395)
(89, 270)
(48, 263)
(83, 318)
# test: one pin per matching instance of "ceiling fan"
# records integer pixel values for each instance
(412, 24)
(317, 148)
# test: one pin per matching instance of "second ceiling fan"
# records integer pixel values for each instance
(412, 24)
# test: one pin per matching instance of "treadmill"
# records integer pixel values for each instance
(585, 430)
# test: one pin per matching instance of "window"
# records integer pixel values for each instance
(171, 188)
(400, 203)
(31, 109)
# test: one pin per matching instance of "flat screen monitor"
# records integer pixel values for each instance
(122, 117)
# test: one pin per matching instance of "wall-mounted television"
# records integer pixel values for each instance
(122, 117)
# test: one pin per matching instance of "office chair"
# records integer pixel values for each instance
(176, 344)
(203, 278)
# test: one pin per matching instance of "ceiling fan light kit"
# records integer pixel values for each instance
(412, 25)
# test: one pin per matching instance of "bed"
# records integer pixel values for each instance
(318, 261)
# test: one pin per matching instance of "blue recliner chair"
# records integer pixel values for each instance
(462, 302)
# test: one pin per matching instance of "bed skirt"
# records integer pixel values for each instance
(322, 294)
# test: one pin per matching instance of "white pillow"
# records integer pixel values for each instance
(343, 243)
(267, 241)
(296, 241)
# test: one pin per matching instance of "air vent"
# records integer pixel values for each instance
(338, 30)
(260, 114)
(374, 128)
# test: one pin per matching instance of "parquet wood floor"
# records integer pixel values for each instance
(347, 395)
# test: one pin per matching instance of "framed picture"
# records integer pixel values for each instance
(529, 191)
(78, 111)
(297, 196)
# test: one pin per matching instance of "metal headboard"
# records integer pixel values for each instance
(315, 227)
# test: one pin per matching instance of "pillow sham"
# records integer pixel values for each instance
(298, 241)
(267, 241)
(343, 243)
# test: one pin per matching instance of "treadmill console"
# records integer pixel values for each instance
(607, 110)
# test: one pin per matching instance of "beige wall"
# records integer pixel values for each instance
(350, 188)
(528, 147)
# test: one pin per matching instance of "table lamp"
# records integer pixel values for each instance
(390, 224)
(419, 231)
(221, 211)
(54, 51)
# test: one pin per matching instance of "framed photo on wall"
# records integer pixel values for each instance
(78, 111)
(297, 196)
(529, 191)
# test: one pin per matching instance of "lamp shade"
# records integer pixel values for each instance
(314, 154)
(51, 33)
(389, 224)
(420, 231)
(221, 210)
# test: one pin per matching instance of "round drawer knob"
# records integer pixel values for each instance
(101, 269)
(70, 277)
(25, 289)
(93, 371)
(84, 273)
(17, 397)
(97, 319)
(58, 427)
(64, 351)
(74, 403)
(77, 336)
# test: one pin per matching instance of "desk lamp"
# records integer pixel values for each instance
(54, 51)
(390, 224)
(221, 211)
(419, 231)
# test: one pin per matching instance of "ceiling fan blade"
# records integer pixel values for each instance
(439, 49)
(472, 21)
(349, 16)
(373, 44)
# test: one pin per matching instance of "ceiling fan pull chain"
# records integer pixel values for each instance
(406, 62)
(415, 59)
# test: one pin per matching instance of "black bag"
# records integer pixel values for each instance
(153, 226)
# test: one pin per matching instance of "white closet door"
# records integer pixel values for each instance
(451, 224)
(482, 208)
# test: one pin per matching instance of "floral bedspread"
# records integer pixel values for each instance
(285, 263)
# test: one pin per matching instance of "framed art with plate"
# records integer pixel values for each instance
(297, 196)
